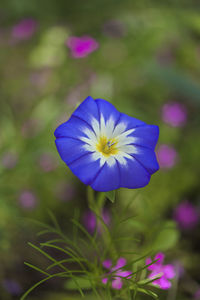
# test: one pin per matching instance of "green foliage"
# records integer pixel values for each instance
(88, 272)
(167, 238)
(83, 282)
(111, 195)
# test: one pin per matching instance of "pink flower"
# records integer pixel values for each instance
(197, 295)
(9, 160)
(163, 272)
(90, 220)
(81, 46)
(117, 273)
(174, 113)
(47, 162)
(167, 156)
(24, 29)
(186, 215)
(28, 200)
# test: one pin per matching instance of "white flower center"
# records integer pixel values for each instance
(108, 142)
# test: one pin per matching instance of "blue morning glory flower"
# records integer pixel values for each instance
(107, 149)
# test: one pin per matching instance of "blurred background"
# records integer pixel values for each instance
(142, 56)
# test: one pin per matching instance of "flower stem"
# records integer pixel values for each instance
(97, 207)
(90, 198)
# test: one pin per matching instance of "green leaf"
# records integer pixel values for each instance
(167, 238)
(83, 281)
(111, 195)
(148, 292)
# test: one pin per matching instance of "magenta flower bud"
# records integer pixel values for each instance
(90, 220)
(186, 215)
(174, 114)
(167, 156)
(81, 46)
(24, 29)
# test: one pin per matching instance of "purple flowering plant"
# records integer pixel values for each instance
(106, 150)
(117, 273)
(161, 273)
(24, 29)
(81, 46)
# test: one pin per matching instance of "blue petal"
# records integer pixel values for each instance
(147, 136)
(87, 111)
(107, 179)
(85, 168)
(74, 127)
(147, 158)
(70, 149)
(107, 110)
(133, 175)
(130, 121)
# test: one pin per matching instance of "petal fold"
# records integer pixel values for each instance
(85, 168)
(130, 122)
(87, 111)
(133, 175)
(147, 158)
(70, 149)
(147, 136)
(107, 179)
(107, 110)
(73, 128)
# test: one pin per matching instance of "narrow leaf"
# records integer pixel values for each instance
(111, 195)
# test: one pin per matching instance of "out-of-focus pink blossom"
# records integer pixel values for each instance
(81, 46)
(90, 220)
(197, 295)
(186, 215)
(9, 160)
(117, 273)
(167, 156)
(12, 287)
(27, 200)
(174, 114)
(47, 162)
(24, 29)
(163, 272)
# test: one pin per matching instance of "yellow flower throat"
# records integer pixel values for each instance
(107, 147)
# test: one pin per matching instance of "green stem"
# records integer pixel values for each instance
(97, 207)
(90, 198)
(101, 199)
(98, 204)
